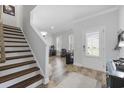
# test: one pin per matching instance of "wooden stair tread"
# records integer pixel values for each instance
(17, 74)
(17, 65)
(17, 51)
(13, 34)
(27, 82)
(14, 37)
(11, 27)
(18, 57)
(15, 41)
(16, 46)
(12, 30)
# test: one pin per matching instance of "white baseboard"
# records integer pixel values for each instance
(78, 64)
(81, 65)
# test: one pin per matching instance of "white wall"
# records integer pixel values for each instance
(19, 17)
(49, 39)
(36, 42)
(110, 22)
(14, 20)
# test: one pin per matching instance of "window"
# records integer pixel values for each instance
(92, 44)
(71, 42)
(58, 43)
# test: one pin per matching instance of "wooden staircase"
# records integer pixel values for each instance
(18, 68)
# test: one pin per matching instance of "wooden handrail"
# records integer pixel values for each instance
(2, 47)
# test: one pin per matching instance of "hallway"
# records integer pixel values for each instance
(59, 71)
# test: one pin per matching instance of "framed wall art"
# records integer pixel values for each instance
(9, 9)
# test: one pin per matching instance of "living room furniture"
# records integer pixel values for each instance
(52, 51)
(115, 73)
(116, 82)
(69, 58)
(63, 52)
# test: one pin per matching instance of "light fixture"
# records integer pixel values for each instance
(44, 34)
(52, 27)
(121, 44)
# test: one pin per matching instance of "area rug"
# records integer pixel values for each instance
(77, 80)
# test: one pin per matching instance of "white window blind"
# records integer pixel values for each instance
(92, 44)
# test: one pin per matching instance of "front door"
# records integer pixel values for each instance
(93, 48)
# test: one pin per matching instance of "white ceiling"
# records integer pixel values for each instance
(58, 16)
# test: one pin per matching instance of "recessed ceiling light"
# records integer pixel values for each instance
(44, 34)
(52, 27)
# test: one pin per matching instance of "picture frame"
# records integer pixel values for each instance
(9, 9)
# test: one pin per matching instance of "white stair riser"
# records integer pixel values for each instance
(17, 54)
(19, 79)
(16, 48)
(10, 39)
(34, 85)
(13, 35)
(9, 62)
(17, 69)
(11, 29)
(10, 43)
(13, 32)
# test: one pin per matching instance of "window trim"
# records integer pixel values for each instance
(58, 43)
(101, 30)
(86, 52)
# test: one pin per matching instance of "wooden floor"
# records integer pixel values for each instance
(60, 70)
